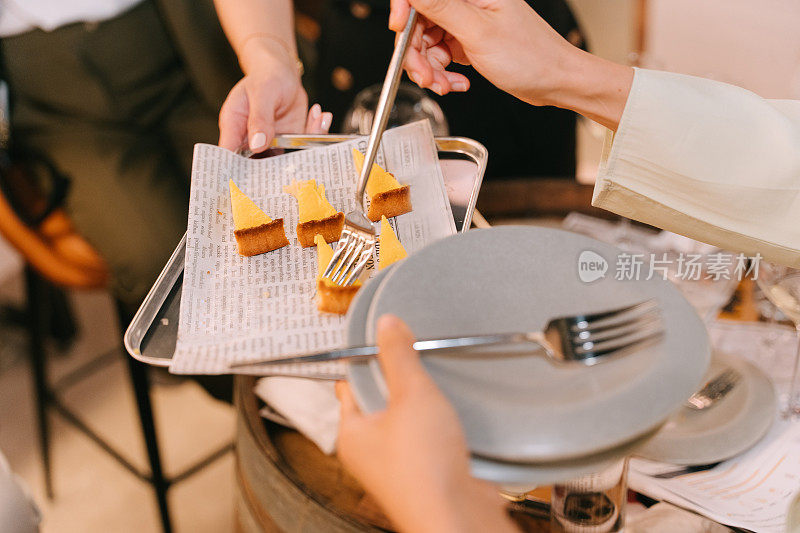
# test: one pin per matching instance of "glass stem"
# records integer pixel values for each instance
(793, 405)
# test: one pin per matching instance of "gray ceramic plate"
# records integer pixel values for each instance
(514, 475)
(523, 408)
(727, 429)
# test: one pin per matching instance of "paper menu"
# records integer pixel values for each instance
(751, 491)
(233, 307)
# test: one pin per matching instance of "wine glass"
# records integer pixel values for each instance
(782, 286)
(410, 105)
(707, 292)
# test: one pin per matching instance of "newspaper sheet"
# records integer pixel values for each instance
(236, 308)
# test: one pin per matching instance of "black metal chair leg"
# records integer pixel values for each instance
(36, 328)
(141, 389)
(61, 324)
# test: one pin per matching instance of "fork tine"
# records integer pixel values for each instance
(714, 390)
(578, 327)
(614, 317)
(347, 267)
(596, 349)
(731, 375)
(650, 302)
(359, 267)
(348, 246)
(356, 254)
(625, 328)
(617, 322)
(340, 246)
(634, 346)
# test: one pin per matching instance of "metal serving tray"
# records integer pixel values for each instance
(153, 333)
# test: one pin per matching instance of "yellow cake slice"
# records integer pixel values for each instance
(316, 214)
(255, 232)
(391, 250)
(331, 298)
(386, 196)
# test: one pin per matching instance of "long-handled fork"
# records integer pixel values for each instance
(358, 236)
(585, 339)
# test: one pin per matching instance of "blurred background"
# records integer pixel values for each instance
(66, 384)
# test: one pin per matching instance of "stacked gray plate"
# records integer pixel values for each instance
(736, 423)
(528, 420)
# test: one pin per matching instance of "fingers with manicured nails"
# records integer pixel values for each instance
(399, 361)
(314, 120)
(233, 119)
(458, 82)
(318, 123)
(430, 49)
(419, 70)
(440, 85)
(428, 72)
(326, 121)
(414, 62)
(438, 56)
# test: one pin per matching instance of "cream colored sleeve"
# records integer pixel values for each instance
(708, 160)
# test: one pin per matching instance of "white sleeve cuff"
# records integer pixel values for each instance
(707, 160)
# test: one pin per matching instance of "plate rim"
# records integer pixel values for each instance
(368, 401)
(753, 375)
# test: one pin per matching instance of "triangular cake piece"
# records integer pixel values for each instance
(255, 232)
(331, 298)
(316, 214)
(391, 250)
(387, 197)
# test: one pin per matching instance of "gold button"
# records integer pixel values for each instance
(360, 10)
(342, 79)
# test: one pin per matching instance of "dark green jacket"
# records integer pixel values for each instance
(198, 37)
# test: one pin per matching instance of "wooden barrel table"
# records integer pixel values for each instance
(285, 483)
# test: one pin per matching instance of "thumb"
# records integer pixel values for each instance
(398, 14)
(399, 361)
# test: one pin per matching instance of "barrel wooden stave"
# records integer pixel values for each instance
(285, 483)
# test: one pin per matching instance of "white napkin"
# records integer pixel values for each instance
(310, 405)
(666, 518)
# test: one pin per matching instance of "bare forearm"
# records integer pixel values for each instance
(593, 87)
(258, 27)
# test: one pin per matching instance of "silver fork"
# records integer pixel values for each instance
(358, 236)
(585, 339)
(714, 390)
